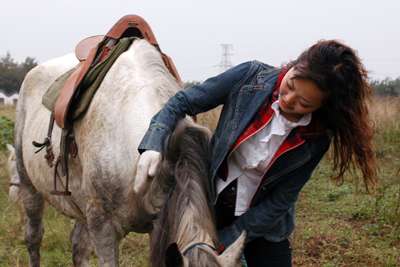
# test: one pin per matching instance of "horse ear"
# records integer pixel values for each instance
(173, 257)
(231, 255)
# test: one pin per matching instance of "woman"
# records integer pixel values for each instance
(274, 128)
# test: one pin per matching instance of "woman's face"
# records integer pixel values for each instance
(298, 97)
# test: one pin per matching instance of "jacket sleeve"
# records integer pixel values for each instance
(194, 100)
(260, 219)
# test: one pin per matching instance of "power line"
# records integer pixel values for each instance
(226, 62)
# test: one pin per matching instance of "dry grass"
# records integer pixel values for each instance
(210, 118)
(8, 112)
(343, 226)
(385, 112)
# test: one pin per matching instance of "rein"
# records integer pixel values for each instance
(198, 244)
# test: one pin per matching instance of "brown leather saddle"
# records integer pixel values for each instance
(93, 50)
(90, 52)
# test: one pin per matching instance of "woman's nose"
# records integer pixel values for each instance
(289, 99)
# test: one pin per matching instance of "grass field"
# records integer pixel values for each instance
(336, 226)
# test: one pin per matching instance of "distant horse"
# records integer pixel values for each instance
(103, 201)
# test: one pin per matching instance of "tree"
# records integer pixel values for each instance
(28, 64)
(12, 73)
(387, 87)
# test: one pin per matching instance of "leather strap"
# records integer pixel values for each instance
(197, 244)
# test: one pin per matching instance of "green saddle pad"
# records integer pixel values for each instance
(90, 83)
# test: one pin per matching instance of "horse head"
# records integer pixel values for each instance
(184, 231)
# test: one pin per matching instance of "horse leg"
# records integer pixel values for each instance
(103, 234)
(81, 246)
(33, 204)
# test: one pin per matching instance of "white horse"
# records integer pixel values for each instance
(102, 175)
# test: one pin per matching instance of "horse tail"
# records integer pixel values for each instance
(29, 79)
(13, 193)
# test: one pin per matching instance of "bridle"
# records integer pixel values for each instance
(201, 245)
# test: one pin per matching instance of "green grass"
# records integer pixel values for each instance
(340, 226)
(336, 226)
(8, 112)
(344, 226)
(56, 247)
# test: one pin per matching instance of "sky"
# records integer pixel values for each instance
(191, 32)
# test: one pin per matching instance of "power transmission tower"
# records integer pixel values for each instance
(226, 62)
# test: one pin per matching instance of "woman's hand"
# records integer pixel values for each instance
(146, 168)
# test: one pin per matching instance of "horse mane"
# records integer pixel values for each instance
(187, 215)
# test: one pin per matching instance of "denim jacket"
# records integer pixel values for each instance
(242, 90)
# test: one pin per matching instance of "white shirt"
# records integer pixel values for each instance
(249, 162)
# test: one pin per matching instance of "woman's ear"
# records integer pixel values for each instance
(173, 257)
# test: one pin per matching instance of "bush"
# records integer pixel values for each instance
(6, 132)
